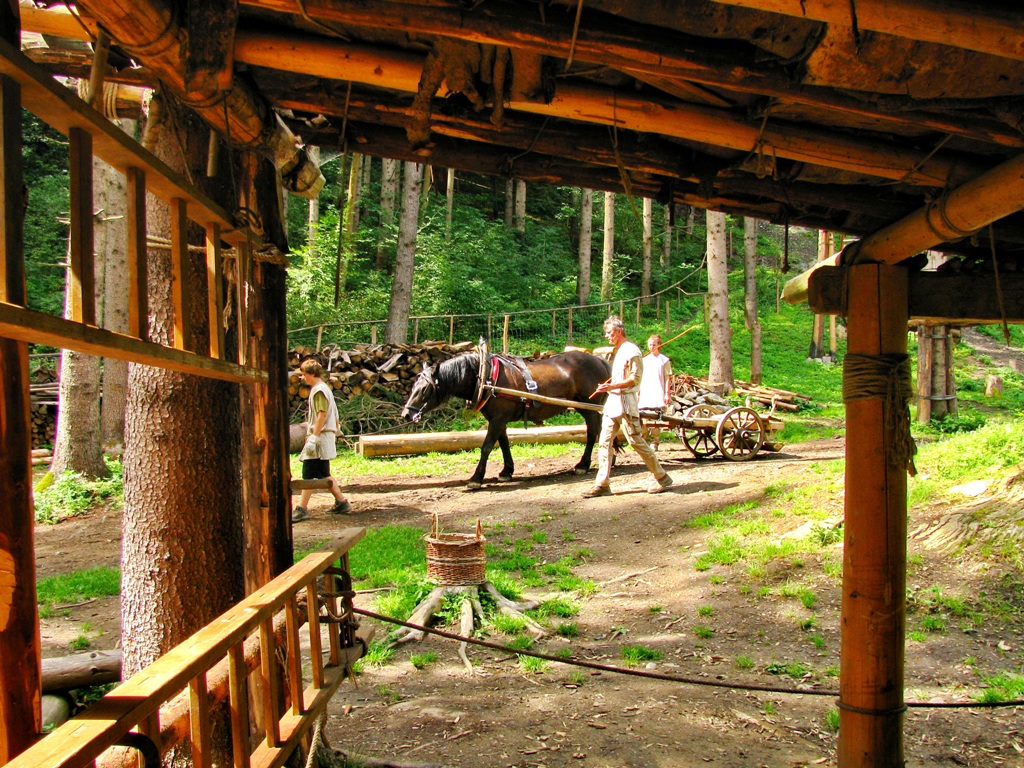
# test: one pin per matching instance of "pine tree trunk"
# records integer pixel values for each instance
(609, 246)
(348, 226)
(181, 557)
(510, 201)
(586, 244)
(313, 220)
(691, 217)
(111, 239)
(390, 178)
(520, 215)
(720, 369)
(666, 238)
(397, 331)
(645, 270)
(750, 295)
(449, 194)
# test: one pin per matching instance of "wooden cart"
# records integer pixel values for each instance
(738, 433)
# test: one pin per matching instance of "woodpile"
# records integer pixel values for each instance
(43, 393)
(688, 391)
(357, 371)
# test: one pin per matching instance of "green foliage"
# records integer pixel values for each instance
(1005, 686)
(78, 585)
(635, 654)
(72, 494)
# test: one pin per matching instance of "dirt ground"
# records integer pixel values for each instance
(649, 592)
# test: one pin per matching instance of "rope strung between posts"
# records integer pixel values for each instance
(698, 681)
(885, 377)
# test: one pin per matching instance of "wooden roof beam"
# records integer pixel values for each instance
(323, 57)
(980, 27)
(650, 54)
(149, 29)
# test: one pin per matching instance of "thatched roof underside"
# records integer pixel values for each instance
(844, 116)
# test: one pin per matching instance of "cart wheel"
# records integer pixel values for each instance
(740, 434)
(700, 440)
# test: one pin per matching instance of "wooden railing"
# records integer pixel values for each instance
(173, 699)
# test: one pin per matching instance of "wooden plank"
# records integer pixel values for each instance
(871, 678)
(59, 107)
(137, 260)
(243, 265)
(316, 656)
(397, 445)
(933, 297)
(199, 722)
(211, 41)
(77, 742)
(215, 291)
(38, 328)
(181, 291)
(294, 657)
(12, 196)
(238, 685)
(271, 684)
(81, 251)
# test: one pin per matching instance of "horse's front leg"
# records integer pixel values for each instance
(593, 421)
(506, 454)
(495, 432)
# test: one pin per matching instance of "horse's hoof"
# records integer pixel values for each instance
(504, 478)
(580, 470)
(473, 485)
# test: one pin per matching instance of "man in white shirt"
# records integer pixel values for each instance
(621, 408)
(654, 386)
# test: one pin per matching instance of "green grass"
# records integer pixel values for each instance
(636, 654)
(422, 660)
(71, 494)
(78, 586)
(1005, 686)
(744, 662)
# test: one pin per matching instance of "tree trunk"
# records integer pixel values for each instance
(78, 442)
(817, 349)
(750, 295)
(666, 238)
(510, 201)
(390, 178)
(609, 246)
(348, 226)
(520, 215)
(397, 331)
(182, 554)
(355, 191)
(111, 238)
(313, 221)
(586, 244)
(720, 370)
(449, 194)
(691, 216)
(645, 271)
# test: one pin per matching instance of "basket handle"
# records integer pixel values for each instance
(433, 526)
(479, 530)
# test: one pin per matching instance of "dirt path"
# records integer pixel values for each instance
(502, 716)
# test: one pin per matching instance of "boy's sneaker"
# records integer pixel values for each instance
(597, 490)
(299, 514)
(340, 508)
(661, 484)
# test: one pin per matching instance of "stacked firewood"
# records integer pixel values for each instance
(357, 371)
(688, 391)
(43, 393)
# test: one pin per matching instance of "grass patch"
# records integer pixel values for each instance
(1003, 687)
(636, 654)
(423, 660)
(78, 586)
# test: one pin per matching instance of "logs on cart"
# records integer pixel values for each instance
(688, 391)
(354, 372)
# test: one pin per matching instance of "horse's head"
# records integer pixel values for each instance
(423, 397)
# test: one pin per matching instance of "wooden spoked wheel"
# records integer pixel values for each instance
(740, 434)
(700, 440)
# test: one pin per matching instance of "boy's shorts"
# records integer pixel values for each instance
(316, 469)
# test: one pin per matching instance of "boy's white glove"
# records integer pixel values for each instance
(311, 448)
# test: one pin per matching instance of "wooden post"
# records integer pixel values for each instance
(416, 331)
(137, 265)
(570, 325)
(488, 329)
(875, 539)
(373, 334)
(451, 329)
(638, 314)
(214, 297)
(504, 337)
(180, 269)
(319, 336)
(832, 351)
(622, 309)
(925, 350)
(82, 291)
(668, 315)
(553, 325)
(20, 676)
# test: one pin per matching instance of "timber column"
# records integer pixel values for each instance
(876, 388)
(20, 675)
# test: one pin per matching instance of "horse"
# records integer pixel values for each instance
(566, 376)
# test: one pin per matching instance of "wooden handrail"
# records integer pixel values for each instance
(81, 740)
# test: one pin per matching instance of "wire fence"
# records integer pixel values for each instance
(519, 332)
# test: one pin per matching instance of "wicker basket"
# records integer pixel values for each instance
(456, 559)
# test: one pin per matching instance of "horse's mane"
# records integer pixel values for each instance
(455, 374)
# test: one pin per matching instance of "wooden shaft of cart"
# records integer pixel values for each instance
(542, 399)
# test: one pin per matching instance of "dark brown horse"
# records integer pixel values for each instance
(568, 376)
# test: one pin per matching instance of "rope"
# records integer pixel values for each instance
(885, 377)
(575, 32)
(318, 736)
(698, 681)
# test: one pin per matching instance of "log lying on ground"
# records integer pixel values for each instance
(81, 670)
(448, 442)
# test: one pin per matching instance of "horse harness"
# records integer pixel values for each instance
(490, 368)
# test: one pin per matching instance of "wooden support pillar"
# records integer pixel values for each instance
(20, 675)
(214, 287)
(138, 290)
(875, 539)
(180, 269)
(82, 290)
